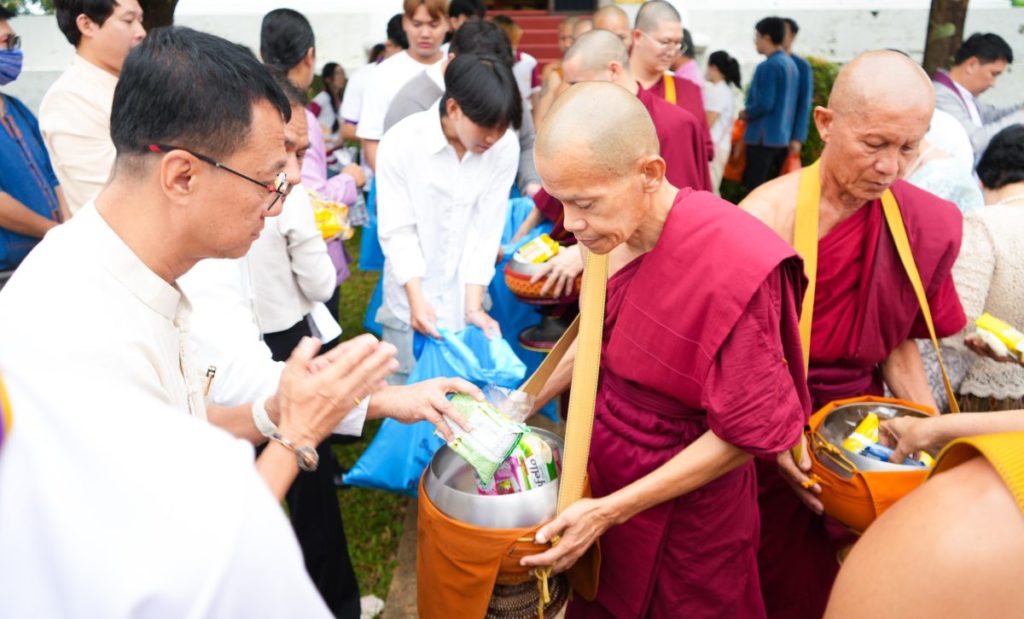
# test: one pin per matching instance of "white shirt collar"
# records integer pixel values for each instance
(434, 139)
(120, 261)
(96, 74)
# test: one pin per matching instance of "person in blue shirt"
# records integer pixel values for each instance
(805, 88)
(771, 105)
(31, 201)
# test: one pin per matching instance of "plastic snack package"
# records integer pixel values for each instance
(492, 440)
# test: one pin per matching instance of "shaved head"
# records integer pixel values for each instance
(613, 19)
(872, 130)
(595, 49)
(866, 84)
(610, 142)
(654, 13)
(583, 25)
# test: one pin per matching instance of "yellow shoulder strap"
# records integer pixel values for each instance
(5, 411)
(805, 241)
(585, 371)
(1005, 452)
(670, 88)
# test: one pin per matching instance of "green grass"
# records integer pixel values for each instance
(373, 519)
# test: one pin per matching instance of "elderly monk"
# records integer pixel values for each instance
(865, 313)
(657, 40)
(612, 18)
(582, 27)
(700, 370)
(599, 56)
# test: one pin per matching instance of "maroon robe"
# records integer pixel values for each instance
(701, 333)
(690, 97)
(864, 308)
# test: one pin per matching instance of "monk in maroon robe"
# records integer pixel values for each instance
(866, 315)
(700, 370)
(657, 42)
(600, 56)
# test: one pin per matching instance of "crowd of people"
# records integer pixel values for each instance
(172, 368)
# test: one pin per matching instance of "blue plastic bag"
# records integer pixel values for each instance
(371, 256)
(395, 459)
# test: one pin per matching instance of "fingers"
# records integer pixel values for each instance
(444, 408)
(304, 352)
(358, 373)
(550, 556)
(795, 475)
(459, 385)
(542, 272)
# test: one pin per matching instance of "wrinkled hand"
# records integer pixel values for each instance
(356, 172)
(977, 345)
(483, 320)
(424, 319)
(578, 527)
(908, 436)
(797, 476)
(426, 401)
(561, 270)
(314, 395)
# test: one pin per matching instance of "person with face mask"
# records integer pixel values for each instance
(31, 199)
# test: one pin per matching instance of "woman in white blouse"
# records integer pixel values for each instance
(443, 182)
(721, 106)
(989, 272)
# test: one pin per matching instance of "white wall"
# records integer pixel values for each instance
(345, 28)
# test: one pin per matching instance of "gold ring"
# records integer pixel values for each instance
(357, 400)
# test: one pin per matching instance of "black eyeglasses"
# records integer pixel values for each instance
(12, 41)
(280, 187)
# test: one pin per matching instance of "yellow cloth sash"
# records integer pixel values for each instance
(670, 88)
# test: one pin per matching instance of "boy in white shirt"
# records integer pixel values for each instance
(443, 181)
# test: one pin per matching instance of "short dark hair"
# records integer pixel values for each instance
(285, 37)
(1002, 163)
(189, 89)
(793, 26)
(482, 37)
(375, 52)
(68, 11)
(6, 13)
(485, 89)
(773, 28)
(986, 47)
(396, 33)
(469, 8)
(688, 47)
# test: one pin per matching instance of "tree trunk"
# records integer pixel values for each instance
(156, 13)
(945, 33)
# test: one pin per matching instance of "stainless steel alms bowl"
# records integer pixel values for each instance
(450, 484)
(844, 419)
(525, 268)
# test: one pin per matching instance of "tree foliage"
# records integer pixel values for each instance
(156, 13)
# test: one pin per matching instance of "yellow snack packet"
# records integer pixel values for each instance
(866, 433)
(539, 250)
(1013, 338)
(331, 218)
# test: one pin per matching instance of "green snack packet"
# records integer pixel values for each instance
(493, 438)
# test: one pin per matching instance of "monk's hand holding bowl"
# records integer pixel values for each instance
(797, 475)
(561, 272)
(572, 532)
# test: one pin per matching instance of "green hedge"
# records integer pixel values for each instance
(825, 73)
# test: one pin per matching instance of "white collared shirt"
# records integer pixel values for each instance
(972, 105)
(385, 82)
(74, 118)
(291, 271)
(439, 218)
(83, 298)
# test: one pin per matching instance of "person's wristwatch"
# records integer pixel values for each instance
(306, 457)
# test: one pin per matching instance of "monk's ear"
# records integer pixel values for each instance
(823, 119)
(653, 171)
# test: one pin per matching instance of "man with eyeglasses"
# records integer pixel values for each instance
(31, 199)
(74, 116)
(657, 41)
(111, 498)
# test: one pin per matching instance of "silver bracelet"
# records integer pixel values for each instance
(261, 419)
(305, 456)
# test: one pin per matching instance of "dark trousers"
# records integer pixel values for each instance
(315, 513)
(763, 164)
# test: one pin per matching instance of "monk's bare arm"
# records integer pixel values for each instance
(579, 526)
(904, 372)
